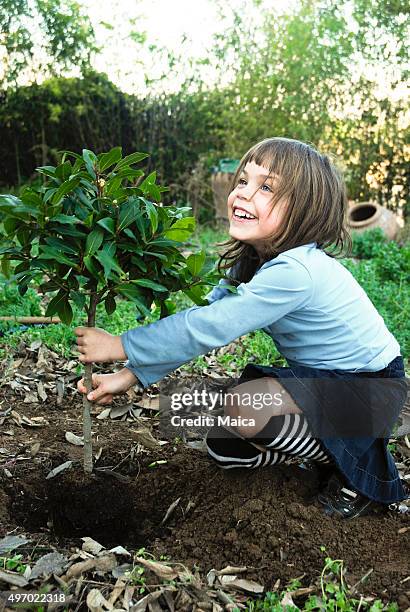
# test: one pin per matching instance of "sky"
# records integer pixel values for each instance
(164, 22)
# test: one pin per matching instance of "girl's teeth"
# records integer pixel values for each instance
(242, 215)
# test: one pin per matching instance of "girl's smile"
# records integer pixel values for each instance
(252, 218)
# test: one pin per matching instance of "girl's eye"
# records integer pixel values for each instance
(241, 181)
(267, 188)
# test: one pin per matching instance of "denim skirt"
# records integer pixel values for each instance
(353, 414)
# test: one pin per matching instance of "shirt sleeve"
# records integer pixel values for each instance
(156, 349)
(218, 292)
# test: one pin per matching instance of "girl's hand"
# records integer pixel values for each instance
(107, 385)
(98, 345)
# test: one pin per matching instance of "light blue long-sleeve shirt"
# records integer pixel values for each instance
(309, 303)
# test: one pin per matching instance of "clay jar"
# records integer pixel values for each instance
(369, 215)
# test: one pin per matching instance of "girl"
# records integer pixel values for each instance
(344, 387)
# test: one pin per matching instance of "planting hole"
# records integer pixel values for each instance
(75, 505)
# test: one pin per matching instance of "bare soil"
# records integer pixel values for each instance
(266, 520)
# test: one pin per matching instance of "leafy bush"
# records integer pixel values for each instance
(368, 244)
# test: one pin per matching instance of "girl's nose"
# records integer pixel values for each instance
(245, 192)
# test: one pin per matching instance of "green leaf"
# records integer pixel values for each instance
(134, 158)
(145, 282)
(112, 185)
(161, 256)
(46, 170)
(90, 161)
(148, 186)
(150, 179)
(153, 215)
(110, 304)
(197, 295)
(65, 188)
(60, 305)
(94, 241)
(78, 299)
(130, 234)
(51, 254)
(129, 211)
(107, 223)
(181, 229)
(69, 219)
(195, 263)
(105, 160)
(31, 197)
(109, 263)
(13, 206)
(63, 171)
(91, 267)
(132, 293)
(60, 244)
(139, 262)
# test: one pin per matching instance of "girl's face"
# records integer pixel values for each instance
(251, 216)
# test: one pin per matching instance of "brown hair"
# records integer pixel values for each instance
(317, 205)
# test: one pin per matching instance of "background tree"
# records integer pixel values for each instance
(42, 37)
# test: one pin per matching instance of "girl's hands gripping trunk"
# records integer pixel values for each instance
(97, 345)
(107, 385)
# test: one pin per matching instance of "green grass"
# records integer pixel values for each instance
(383, 270)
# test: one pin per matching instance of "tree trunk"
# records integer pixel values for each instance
(88, 368)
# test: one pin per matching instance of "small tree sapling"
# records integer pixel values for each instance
(95, 232)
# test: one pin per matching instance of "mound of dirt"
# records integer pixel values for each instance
(172, 500)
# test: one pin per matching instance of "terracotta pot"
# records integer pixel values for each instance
(369, 215)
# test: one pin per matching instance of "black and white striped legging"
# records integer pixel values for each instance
(283, 437)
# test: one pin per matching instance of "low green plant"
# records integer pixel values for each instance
(13, 563)
(366, 245)
(334, 595)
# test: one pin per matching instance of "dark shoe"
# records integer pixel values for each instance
(339, 499)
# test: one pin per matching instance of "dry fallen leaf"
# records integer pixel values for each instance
(31, 398)
(51, 563)
(148, 402)
(162, 571)
(119, 411)
(143, 603)
(96, 601)
(102, 564)
(72, 438)
(34, 449)
(287, 601)
(144, 437)
(117, 590)
(60, 468)
(250, 586)
(104, 414)
(91, 546)
(11, 542)
(230, 569)
(41, 392)
(13, 579)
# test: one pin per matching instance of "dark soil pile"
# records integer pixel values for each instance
(265, 520)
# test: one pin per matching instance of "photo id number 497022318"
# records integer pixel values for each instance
(17, 598)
